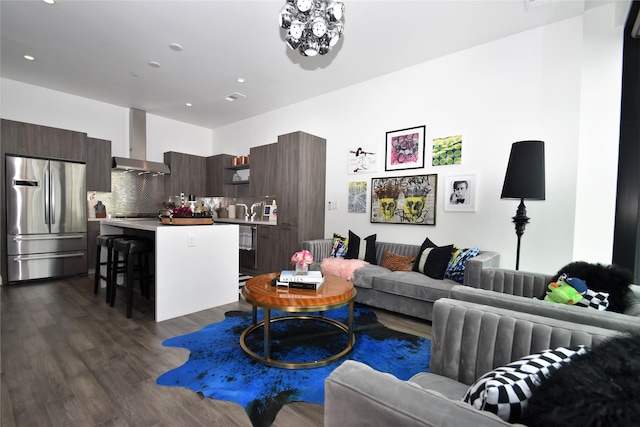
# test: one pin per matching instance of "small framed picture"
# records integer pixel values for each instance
(460, 193)
(404, 149)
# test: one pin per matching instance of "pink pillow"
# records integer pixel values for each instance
(342, 267)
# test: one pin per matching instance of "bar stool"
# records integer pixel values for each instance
(132, 248)
(105, 241)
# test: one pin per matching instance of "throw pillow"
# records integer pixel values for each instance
(362, 248)
(505, 390)
(433, 261)
(395, 262)
(600, 388)
(426, 244)
(593, 299)
(458, 262)
(339, 247)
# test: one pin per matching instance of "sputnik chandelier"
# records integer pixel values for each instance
(313, 26)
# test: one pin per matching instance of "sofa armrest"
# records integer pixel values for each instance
(514, 282)
(469, 339)
(319, 248)
(633, 301)
(474, 266)
(357, 395)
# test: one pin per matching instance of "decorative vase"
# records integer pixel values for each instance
(302, 268)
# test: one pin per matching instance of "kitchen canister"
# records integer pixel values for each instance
(232, 211)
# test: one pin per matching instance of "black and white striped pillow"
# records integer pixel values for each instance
(505, 390)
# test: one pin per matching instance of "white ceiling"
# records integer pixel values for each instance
(90, 48)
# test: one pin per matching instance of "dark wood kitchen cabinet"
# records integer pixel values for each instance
(264, 161)
(300, 191)
(188, 174)
(26, 139)
(217, 174)
(98, 165)
(93, 231)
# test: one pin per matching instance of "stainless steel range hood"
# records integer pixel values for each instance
(138, 147)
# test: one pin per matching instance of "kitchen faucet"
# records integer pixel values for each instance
(246, 211)
(253, 214)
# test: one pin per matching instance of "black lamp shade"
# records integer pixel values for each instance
(525, 172)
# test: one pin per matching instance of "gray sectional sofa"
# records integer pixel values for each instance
(405, 292)
(469, 340)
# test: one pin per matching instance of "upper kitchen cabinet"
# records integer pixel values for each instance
(217, 174)
(98, 165)
(264, 159)
(188, 174)
(26, 139)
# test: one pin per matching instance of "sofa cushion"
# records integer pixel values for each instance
(447, 386)
(362, 248)
(363, 277)
(458, 262)
(395, 262)
(339, 246)
(433, 261)
(505, 390)
(411, 284)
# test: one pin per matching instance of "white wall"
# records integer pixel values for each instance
(534, 85)
(599, 132)
(33, 104)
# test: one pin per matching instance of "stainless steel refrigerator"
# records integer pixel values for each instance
(46, 218)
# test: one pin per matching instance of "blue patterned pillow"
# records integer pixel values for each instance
(339, 247)
(458, 262)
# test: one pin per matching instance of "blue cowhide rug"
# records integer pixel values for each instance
(220, 369)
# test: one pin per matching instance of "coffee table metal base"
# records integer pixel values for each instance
(268, 320)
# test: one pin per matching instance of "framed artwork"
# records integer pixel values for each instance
(404, 149)
(447, 151)
(362, 160)
(404, 199)
(461, 193)
(357, 197)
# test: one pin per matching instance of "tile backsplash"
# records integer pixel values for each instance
(131, 193)
(143, 194)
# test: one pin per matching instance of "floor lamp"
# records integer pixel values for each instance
(524, 180)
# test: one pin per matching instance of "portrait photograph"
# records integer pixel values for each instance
(460, 193)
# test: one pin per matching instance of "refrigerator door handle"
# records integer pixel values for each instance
(47, 195)
(47, 237)
(21, 258)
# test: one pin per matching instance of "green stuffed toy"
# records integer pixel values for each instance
(567, 290)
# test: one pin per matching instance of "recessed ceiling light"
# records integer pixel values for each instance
(188, 104)
(49, 1)
(154, 64)
(175, 46)
(232, 97)
(29, 58)
(240, 79)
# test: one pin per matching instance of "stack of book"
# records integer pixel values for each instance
(312, 280)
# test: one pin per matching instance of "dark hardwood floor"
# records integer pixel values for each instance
(68, 359)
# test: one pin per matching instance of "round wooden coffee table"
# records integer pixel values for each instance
(335, 292)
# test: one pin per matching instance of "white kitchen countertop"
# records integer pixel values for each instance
(242, 221)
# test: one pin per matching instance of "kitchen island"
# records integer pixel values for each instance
(196, 266)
